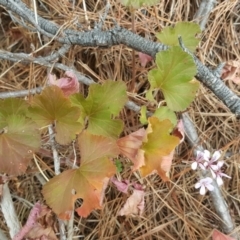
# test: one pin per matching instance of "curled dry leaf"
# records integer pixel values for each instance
(144, 59)
(38, 225)
(130, 144)
(68, 84)
(231, 71)
(134, 204)
(179, 131)
(122, 186)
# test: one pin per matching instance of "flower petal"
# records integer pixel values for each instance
(206, 155)
(220, 164)
(216, 155)
(213, 173)
(202, 190)
(194, 165)
(210, 187)
(224, 175)
(219, 181)
(202, 166)
(198, 185)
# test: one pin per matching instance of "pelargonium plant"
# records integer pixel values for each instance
(205, 161)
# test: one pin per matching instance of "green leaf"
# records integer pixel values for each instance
(187, 30)
(119, 165)
(103, 102)
(143, 116)
(139, 3)
(18, 140)
(175, 70)
(52, 107)
(12, 106)
(15, 106)
(163, 113)
(87, 181)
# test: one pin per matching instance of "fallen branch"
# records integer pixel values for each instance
(204, 10)
(9, 212)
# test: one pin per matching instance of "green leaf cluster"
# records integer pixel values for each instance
(101, 106)
(187, 30)
(175, 77)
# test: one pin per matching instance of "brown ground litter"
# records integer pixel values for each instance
(174, 210)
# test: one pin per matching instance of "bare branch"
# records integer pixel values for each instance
(204, 10)
(8, 211)
(215, 84)
(25, 58)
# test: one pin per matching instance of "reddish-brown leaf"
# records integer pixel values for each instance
(86, 182)
(18, 140)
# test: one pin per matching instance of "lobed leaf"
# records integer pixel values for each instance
(174, 74)
(85, 182)
(103, 102)
(156, 152)
(19, 138)
(52, 107)
(163, 113)
(187, 30)
(12, 106)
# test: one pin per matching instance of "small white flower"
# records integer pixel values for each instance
(218, 174)
(199, 161)
(203, 184)
(210, 161)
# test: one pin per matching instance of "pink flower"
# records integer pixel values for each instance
(203, 184)
(200, 160)
(218, 174)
